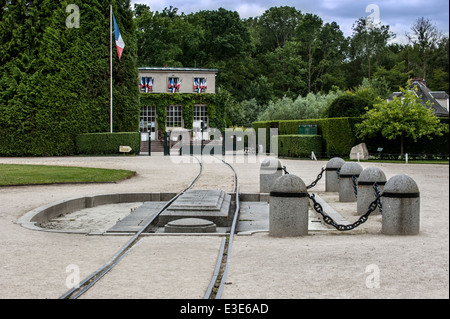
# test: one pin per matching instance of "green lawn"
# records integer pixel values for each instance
(14, 174)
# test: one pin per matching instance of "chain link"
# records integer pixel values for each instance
(378, 196)
(284, 169)
(317, 179)
(355, 185)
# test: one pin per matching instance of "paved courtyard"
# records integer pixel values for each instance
(358, 264)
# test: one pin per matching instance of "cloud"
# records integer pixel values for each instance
(247, 10)
(400, 15)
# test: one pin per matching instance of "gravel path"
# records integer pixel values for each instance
(38, 264)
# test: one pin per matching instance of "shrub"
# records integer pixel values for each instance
(299, 145)
(107, 143)
(338, 136)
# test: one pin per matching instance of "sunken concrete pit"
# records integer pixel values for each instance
(125, 214)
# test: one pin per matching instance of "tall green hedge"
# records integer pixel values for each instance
(338, 136)
(55, 80)
(299, 145)
(107, 143)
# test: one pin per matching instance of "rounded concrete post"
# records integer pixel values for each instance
(401, 206)
(346, 190)
(331, 176)
(269, 171)
(366, 192)
(288, 207)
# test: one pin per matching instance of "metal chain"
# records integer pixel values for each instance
(378, 196)
(284, 169)
(317, 179)
(355, 185)
(338, 172)
(330, 221)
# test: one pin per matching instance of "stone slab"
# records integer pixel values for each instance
(137, 219)
(338, 218)
(212, 205)
(195, 200)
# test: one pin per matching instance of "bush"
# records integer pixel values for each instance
(107, 143)
(338, 135)
(299, 145)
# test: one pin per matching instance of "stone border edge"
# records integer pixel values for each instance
(32, 219)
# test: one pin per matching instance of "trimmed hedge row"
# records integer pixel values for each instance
(299, 145)
(107, 143)
(338, 134)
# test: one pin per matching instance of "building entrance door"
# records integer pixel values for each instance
(148, 121)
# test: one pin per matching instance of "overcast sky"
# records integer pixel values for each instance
(398, 14)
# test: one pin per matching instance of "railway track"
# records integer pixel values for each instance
(217, 283)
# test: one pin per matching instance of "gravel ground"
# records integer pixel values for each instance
(37, 264)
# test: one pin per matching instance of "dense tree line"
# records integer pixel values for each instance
(286, 53)
(54, 79)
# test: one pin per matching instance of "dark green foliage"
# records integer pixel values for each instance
(107, 143)
(348, 106)
(338, 136)
(437, 144)
(54, 80)
(299, 145)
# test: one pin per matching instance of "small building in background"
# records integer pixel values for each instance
(439, 99)
(188, 107)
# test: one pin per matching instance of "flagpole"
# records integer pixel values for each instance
(111, 66)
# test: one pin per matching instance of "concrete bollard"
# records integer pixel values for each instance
(331, 176)
(269, 171)
(288, 207)
(401, 207)
(346, 190)
(366, 192)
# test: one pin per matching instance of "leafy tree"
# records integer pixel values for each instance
(348, 105)
(277, 26)
(244, 113)
(307, 33)
(309, 107)
(396, 77)
(425, 37)
(330, 55)
(226, 35)
(165, 38)
(260, 89)
(405, 117)
(286, 69)
(369, 42)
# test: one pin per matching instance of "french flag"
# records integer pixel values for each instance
(119, 41)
